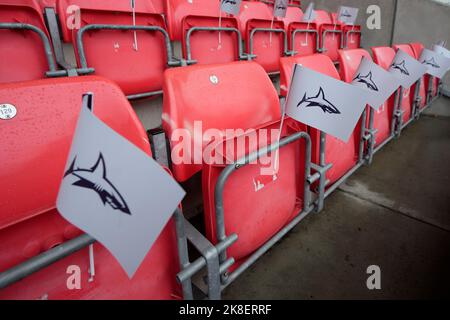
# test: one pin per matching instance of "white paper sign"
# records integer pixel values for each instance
(325, 103)
(310, 14)
(115, 192)
(231, 6)
(379, 83)
(441, 50)
(407, 69)
(348, 15)
(437, 64)
(280, 8)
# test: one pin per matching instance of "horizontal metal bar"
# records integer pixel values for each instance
(269, 244)
(215, 29)
(43, 260)
(144, 95)
(294, 33)
(322, 48)
(338, 183)
(200, 263)
(252, 34)
(349, 33)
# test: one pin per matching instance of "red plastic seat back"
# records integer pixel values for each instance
(22, 52)
(383, 56)
(349, 61)
(304, 43)
(33, 157)
(331, 41)
(256, 204)
(353, 40)
(225, 96)
(318, 62)
(205, 47)
(111, 52)
(178, 10)
(293, 14)
(267, 46)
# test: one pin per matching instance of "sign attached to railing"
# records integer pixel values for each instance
(310, 14)
(115, 192)
(407, 69)
(280, 8)
(437, 64)
(325, 103)
(231, 6)
(379, 83)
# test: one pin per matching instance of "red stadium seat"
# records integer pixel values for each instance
(349, 61)
(188, 22)
(418, 48)
(407, 100)
(330, 34)
(264, 47)
(303, 37)
(264, 203)
(25, 50)
(111, 52)
(293, 14)
(33, 157)
(182, 106)
(351, 34)
(342, 155)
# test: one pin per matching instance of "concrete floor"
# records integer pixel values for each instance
(394, 214)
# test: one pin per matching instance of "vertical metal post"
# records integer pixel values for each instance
(183, 253)
(323, 178)
(394, 114)
(372, 140)
(417, 100)
(361, 137)
(430, 90)
(399, 113)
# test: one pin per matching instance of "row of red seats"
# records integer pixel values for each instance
(107, 52)
(36, 142)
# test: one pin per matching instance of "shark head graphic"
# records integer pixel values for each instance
(367, 80)
(319, 101)
(432, 63)
(346, 14)
(229, 1)
(400, 66)
(281, 7)
(95, 179)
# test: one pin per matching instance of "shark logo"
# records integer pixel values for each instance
(229, 1)
(319, 101)
(401, 66)
(432, 63)
(281, 7)
(95, 179)
(346, 14)
(367, 80)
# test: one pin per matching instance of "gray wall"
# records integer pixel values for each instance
(423, 21)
